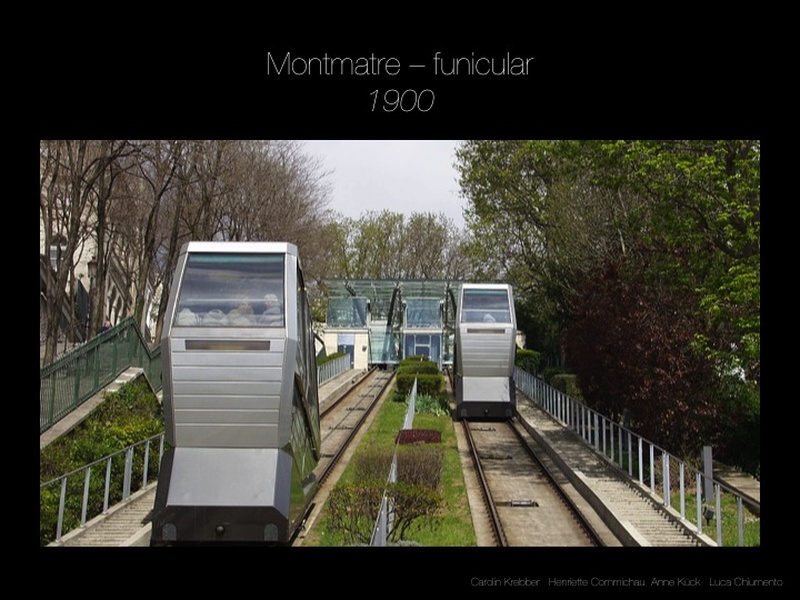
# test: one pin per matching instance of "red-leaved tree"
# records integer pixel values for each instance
(630, 344)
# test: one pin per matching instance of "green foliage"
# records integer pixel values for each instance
(389, 245)
(126, 417)
(417, 365)
(705, 205)
(449, 525)
(437, 405)
(417, 464)
(321, 360)
(527, 359)
(353, 507)
(430, 381)
(646, 253)
(415, 505)
(428, 385)
(352, 510)
(751, 522)
(567, 383)
(740, 422)
(551, 372)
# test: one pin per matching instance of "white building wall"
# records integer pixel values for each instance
(360, 343)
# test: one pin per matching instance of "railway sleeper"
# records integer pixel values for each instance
(496, 457)
(519, 503)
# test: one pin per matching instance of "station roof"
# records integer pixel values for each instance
(385, 288)
(381, 291)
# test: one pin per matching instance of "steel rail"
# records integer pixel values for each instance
(491, 506)
(587, 527)
(365, 382)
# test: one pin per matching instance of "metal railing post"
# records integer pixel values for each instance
(740, 520)
(108, 486)
(85, 501)
(146, 466)
(699, 496)
(61, 503)
(126, 479)
(641, 461)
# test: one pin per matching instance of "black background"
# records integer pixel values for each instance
(150, 76)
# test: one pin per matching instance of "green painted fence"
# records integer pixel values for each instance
(80, 374)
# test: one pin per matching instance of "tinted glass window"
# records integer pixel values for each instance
(232, 290)
(423, 312)
(485, 306)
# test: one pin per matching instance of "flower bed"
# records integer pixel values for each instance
(419, 436)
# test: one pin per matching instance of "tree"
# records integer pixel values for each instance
(140, 222)
(704, 208)
(137, 203)
(389, 245)
(75, 189)
(679, 221)
(629, 342)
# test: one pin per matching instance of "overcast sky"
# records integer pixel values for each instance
(403, 176)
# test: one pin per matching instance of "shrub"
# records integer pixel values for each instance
(438, 405)
(528, 360)
(415, 505)
(415, 358)
(353, 509)
(430, 381)
(429, 385)
(373, 465)
(417, 464)
(125, 417)
(420, 367)
(568, 384)
(551, 372)
(420, 465)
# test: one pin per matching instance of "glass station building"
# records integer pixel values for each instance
(380, 322)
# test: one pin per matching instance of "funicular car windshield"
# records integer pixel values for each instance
(485, 306)
(232, 290)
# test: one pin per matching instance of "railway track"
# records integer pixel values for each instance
(525, 504)
(521, 490)
(342, 421)
(616, 511)
(609, 497)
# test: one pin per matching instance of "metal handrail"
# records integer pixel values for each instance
(332, 368)
(385, 519)
(115, 471)
(77, 376)
(639, 458)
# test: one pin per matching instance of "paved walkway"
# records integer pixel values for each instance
(746, 485)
